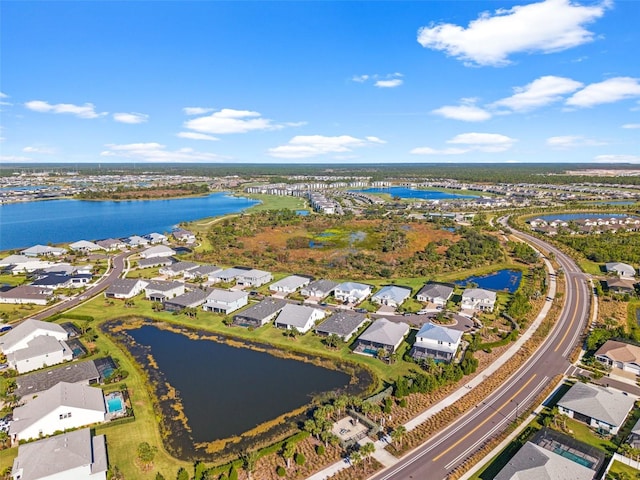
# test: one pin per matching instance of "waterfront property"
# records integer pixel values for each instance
(478, 299)
(84, 373)
(84, 246)
(43, 251)
(601, 408)
(435, 293)
(299, 317)
(28, 330)
(39, 352)
(381, 334)
(225, 301)
(391, 295)
(436, 342)
(344, 324)
(160, 290)
(191, 299)
(621, 355)
(64, 406)
(260, 313)
(72, 455)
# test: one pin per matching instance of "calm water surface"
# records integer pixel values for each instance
(501, 280)
(403, 192)
(58, 221)
(226, 390)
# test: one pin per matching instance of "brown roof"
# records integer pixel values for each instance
(620, 351)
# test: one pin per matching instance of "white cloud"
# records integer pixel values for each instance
(631, 125)
(88, 110)
(229, 120)
(608, 91)
(396, 82)
(130, 117)
(540, 92)
(471, 142)
(156, 152)
(14, 158)
(305, 146)
(466, 113)
(3, 95)
(39, 149)
(572, 141)
(2, 102)
(360, 78)
(545, 27)
(196, 136)
(617, 158)
(197, 110)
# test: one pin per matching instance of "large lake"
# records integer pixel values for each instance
(58, 221)
(403, 192)
(226, 390)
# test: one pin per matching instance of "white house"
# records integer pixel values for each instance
(437, 342)
(299, 317)
(227, 275)
(478, 299)
(63, 407)
(84, 246)
(73, 455)
(178, 268)
(43, 250)
(352, 292)
(22, 334)
(620, 355)
(40, 352)
(254, 278)
(203, 271)
(136, 241)
(156, 237)
(391, 295)
(13, 260)
(599, 407)
(158, 251)
(435, 293)
(225, 301)
(623, 270)
(26, 294)
(184, 236)
(318, 289)
(289, 284)
(160, 290)
(125, 288)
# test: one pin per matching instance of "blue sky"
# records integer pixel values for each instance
(320, 82)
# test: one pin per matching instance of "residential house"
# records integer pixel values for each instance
(125, 288)
(155, 238)
(437, 342)
(634, 436)
(52, 281)
(289, 284)
(391, 295)
(225, 301)
(23, 294)
(601, 408)
(205, 272)
(157, 251)
(39, 352)
(260, 313)
(319, 289)
(13, 260)
(621, 285)
(178, 268)
(191, 299)
(344, 324)
(624, 356)
(136, 241)
(160, 290)
(478, 299)
(63, 407)
(84, 246)
(155, 262)
(352, 292)
(112, 244)
(299, 317)
(84, 373)
(23, 333)
(73, 455)
(43, 250)
(253, 278)
(435, 293)
(381, 334)
(228, 275)
(623, 270)
(535, 462)
(33, 265)
(183, 236)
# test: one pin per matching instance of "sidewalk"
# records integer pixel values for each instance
(461, 392)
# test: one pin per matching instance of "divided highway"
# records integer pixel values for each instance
(447, 449)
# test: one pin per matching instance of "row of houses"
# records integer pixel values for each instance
(586, 225)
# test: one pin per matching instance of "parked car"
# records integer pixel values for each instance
(5, 328)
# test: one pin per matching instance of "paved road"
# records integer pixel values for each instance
(117, 267)
(447, 449)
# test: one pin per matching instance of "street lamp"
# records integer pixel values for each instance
(517, 405)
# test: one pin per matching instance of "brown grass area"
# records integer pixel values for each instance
(612, 310)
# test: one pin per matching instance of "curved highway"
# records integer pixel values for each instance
(447, 449)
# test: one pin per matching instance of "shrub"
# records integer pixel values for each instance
(233, 473)
(281, 471)
(299, 459)
(320, 449)
(403, 402)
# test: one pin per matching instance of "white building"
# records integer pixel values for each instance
(391, 295)
(289, 284)
(299, 317)
(437, 342)
(158, 251)
(435, 293)
(125, 288)
(623, 270)
(43, 250)
(84, 246)
(225, 301)
(62, 407)
(478, 299)
(22, 334)
(254, 278)
(352, 292)
(70, 456)
(40, 352)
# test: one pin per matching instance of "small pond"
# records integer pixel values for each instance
(404, 192)
(225, 390)
(304, 213)
(502, 280)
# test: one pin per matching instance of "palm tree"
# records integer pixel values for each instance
(340, 403)
(367, 450)
(355, 458)
(398, 434)
(250, 460)
(332, 341)
(288, 451)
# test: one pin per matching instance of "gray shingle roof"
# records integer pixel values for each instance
(27, 292)
(393, 292)
(72, 373)
(609, 406)
(479, 293)
(60, 453)
(162, 285)
(341, 323)
(436, 290)
(41, 345)
(620, 267)
(189, 299)
(324, 286)
(262, 310)
(26, 328)
(292, 282)
(122, 286)
(439, 333)
(225, 296)
(182, 267)
(385, 332)
(295, 315)
(533, 462)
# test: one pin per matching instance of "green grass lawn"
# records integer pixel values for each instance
(11, 312)
(274, 202)
(620, 468)
(13, 280)
(591, 267)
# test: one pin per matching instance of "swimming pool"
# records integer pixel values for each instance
(115, 404)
